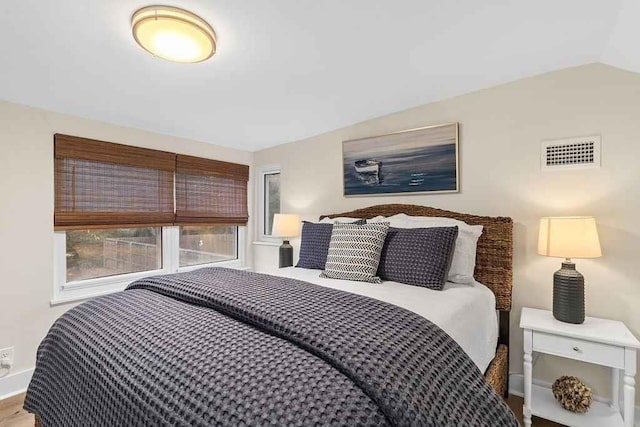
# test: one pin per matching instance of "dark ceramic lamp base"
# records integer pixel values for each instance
(286, 254)
(568, 294)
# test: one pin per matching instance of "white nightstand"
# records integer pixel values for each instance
(603, 342)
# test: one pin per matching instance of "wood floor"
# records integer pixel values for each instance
(12, 414)
(515, 403)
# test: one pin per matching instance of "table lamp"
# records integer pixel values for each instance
(286, 226)
(569, 237)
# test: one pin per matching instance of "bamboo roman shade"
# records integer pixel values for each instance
(210, 191)
(100, 185)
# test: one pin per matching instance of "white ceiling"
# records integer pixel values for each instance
(290, 69)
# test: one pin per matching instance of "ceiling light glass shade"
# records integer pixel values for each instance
(173, 34)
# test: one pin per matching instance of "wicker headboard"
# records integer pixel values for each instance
(494, 257)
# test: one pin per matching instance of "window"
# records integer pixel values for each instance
(122, 213)
(208, 244)
(102, 253)
(269, 191)
(271, 200)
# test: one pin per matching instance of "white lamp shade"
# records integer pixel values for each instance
(569, 237)
(285, 225)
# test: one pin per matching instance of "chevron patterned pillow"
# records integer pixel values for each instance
(315, 243)
(354, 252)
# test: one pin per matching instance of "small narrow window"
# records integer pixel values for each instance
(271, 191)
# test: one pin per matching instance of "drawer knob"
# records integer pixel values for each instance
(576, 349)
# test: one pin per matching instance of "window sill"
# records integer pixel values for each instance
(275, 244)
(67, 297)
(82, 292)
(234, 263)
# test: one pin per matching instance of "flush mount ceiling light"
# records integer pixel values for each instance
(173, 34)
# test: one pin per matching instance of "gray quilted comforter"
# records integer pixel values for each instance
(225, 347)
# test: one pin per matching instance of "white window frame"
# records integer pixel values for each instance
(262, 172)
(64, 291)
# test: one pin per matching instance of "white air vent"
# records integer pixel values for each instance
(572, 153)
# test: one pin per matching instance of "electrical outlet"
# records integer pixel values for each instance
(6, 357)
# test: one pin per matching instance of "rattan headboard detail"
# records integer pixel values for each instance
(494, 257)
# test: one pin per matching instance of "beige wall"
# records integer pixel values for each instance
(26, 215)
(500, 133)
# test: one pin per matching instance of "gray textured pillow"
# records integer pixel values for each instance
(315, 244)
(354, 252)
(418, 256)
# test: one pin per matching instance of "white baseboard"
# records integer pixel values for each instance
(15, 383)
(516, 387)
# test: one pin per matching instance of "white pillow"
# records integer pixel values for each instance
(343, 219)
(464, 255)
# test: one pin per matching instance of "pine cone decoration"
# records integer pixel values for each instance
(572, 394)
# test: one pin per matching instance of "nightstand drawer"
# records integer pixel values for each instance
(587, 351)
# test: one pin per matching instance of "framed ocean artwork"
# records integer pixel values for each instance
(423, 160)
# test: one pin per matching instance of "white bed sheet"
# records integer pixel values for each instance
(466, 312)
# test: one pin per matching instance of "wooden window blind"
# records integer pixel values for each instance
(210, 191)
(101, 185)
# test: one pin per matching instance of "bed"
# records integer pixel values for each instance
(464, 311)
(494, 269)
(227, 347)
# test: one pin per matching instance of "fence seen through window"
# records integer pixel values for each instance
(109, 252)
